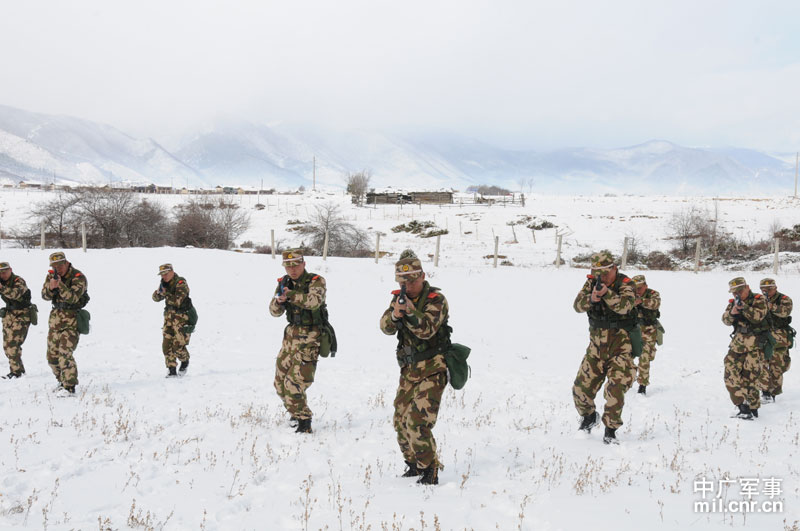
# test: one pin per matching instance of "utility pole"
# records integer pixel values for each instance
(314, 176)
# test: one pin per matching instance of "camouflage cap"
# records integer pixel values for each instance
(639, 280)
(765, 282)
(408, 268)
(164, 269)
(292, 257)
(736, 284)
(4, 265)
(602, 260)
(57, 257)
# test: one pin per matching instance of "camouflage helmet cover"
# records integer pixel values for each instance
(736, 284)
(4, 266)
(408, 268)
(639, 280)
(292, 257)
(163, 269)
(57, 257)
(765, 283)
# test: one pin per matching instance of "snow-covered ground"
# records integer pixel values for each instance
(213, 450)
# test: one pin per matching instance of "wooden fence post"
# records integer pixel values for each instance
(496, 245)
(377, 246)
(436, 254)
(624, 261)
(558, 250)
(697, 256)
(272, 242)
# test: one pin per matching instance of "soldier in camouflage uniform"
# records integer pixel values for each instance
(176, 330)
(66, 287)
(648, 302)
(747, 313)
(420, 322)
(779, 308)
(608, 298)
(301, 295)
(16, 318)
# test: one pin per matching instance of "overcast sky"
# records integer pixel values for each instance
(523, 74)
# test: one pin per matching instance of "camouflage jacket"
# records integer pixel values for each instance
(648, 307)
(176, 293)
(747, 323)
(307, 293)
(779, 307)
(427, 324)
(17, 296)
(617, 304)
(71, 291)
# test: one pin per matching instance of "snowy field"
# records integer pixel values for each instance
(213, 450)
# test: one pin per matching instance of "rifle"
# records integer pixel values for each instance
(401, 299)
(284, 283)
(597, 285)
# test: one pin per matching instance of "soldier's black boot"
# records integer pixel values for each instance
(412, 470)
(430, 475)
(173, 373)
(70, 389)
(610, 436)
(755, 413)
(303, 426)
(183, 367)
(11, 375)
(642, 390)
(744, 412)
(767, 397)
(589, 421)
(292, 422)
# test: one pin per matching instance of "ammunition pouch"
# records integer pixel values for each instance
(767, 344)
(83, 321)
(458, 371)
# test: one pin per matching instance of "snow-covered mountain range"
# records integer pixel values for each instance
(44, 148)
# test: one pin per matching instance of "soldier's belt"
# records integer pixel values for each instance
(408, 356)
(65, 306)
(606, 325)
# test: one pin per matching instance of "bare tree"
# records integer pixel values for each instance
(688, 225)
(344, 239)
(357, 185)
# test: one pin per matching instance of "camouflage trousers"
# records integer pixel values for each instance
(174, 345)
(608, 358)
(772, 371)
(295, 368)
(60, 346)
(648, 355)
(416, 407)
(742, 374)
(15, 330)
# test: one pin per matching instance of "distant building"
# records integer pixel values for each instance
(389, 196)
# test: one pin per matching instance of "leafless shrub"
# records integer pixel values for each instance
(213, 225)
(687, 226)
(344, 239)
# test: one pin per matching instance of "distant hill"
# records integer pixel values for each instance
(40, 147)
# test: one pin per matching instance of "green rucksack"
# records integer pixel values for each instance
(458, 371)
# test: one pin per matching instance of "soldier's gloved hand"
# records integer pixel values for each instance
(53, 283)
(397, 311)
(282, 298)
(598, 294)
(736, 309)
